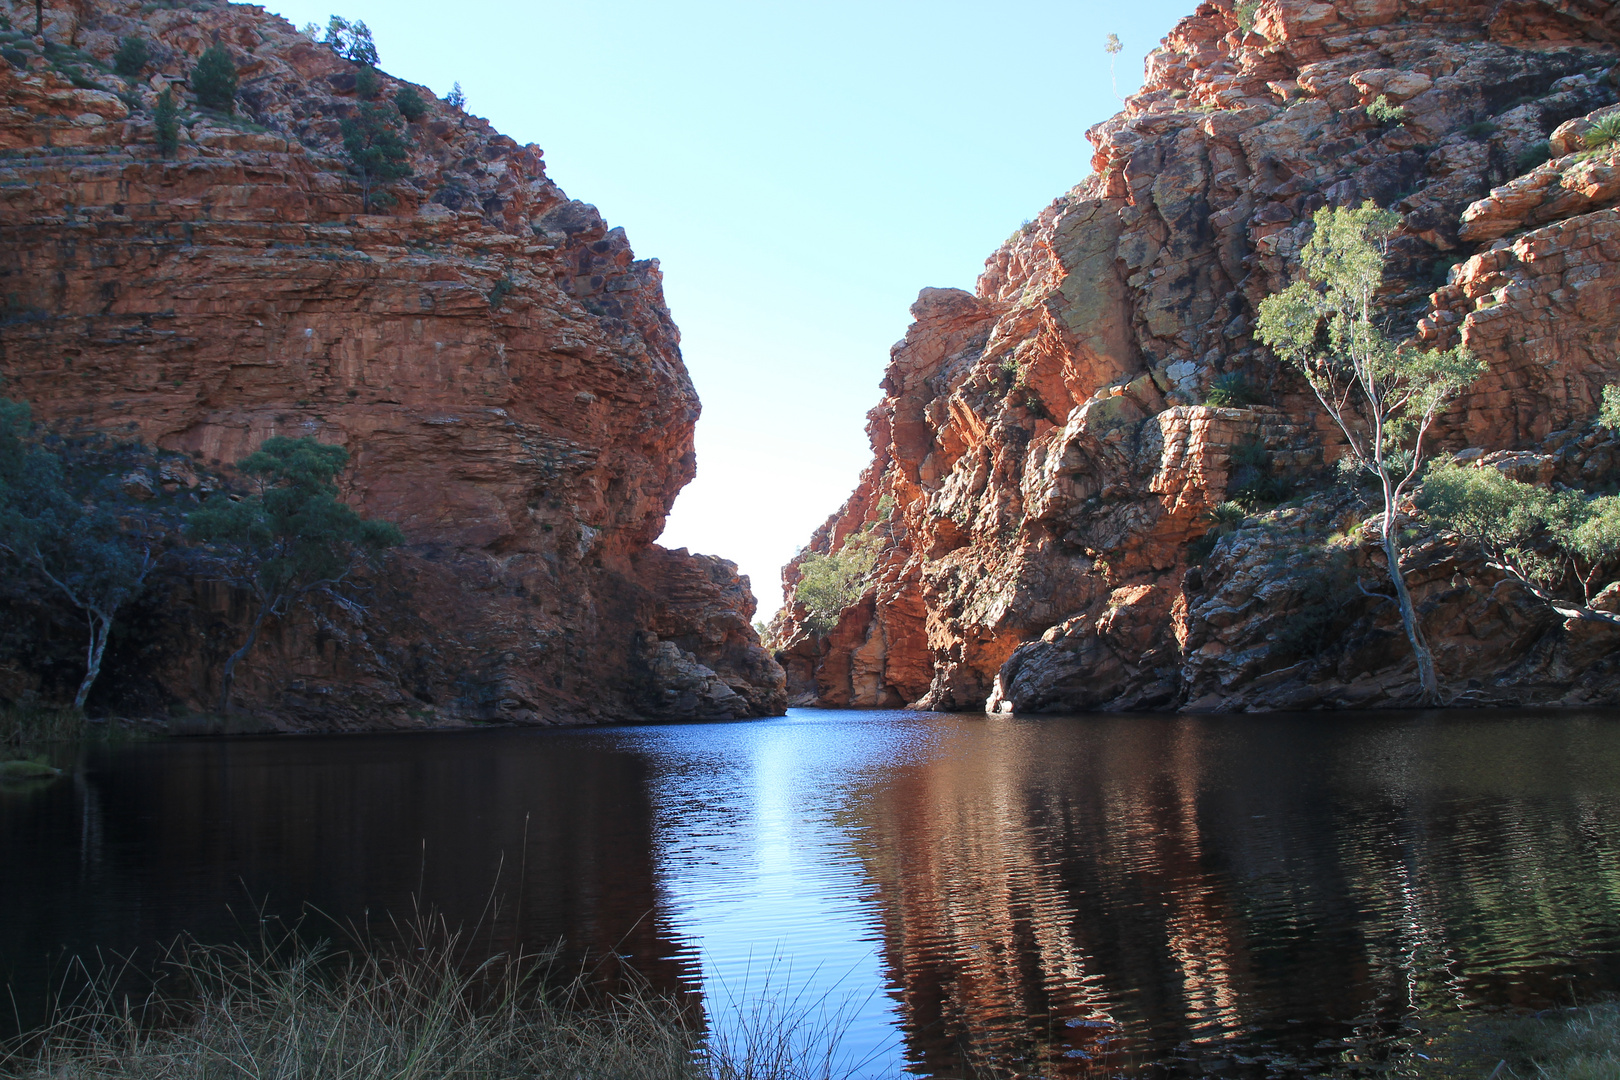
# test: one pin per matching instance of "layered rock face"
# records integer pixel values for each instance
(1045, 458)
(499, 364)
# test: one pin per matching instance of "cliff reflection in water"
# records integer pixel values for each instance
(1118, 891)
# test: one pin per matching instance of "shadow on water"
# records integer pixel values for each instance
(1063, 896)
(530, 841)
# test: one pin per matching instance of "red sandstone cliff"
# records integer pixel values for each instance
(1043, 439)
(499, 364)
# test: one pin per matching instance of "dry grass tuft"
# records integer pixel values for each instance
(417, 1011)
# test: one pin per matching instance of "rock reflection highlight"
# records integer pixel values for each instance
(1195, 895)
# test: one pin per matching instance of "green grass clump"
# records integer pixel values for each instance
(1604, 133)
(1231, 389)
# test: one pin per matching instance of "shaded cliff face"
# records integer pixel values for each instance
(1043, 440)
(499, 364)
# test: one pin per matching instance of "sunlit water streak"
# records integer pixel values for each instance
(1240, 895)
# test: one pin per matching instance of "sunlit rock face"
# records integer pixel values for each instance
(500, 366)
(1048, 444)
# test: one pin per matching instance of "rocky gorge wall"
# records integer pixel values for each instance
(498, 363)
(1045, 462)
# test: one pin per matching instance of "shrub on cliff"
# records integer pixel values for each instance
(410, 104)
(1558, 545)
(830, 583)
(1382, 395)
(367, 83)
(214, 80)
(1385, 112)
(79, 517)
(132, 57)
(378, 153)
(290, 540)
(166, 118)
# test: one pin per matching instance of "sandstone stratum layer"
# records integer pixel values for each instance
(1045, 459)
(499, 364)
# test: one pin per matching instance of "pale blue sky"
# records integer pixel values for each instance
(801, 171)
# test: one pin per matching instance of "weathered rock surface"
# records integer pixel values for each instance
(1045, 444)
(499, 364)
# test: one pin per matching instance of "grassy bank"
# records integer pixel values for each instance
(412, 1012)
(23, 726)
(1562, 1044)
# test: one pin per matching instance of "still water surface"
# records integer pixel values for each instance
(1160, 894)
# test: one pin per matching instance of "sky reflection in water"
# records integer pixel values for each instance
(1243, 894)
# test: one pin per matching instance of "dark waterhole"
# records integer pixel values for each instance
(1166, 895)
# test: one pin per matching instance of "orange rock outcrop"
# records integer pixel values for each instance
(498, 362)
(1045, 457)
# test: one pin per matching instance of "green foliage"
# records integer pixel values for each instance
(410, 104)
(1381, 394)
(132, 57)
(503, 288)
(1246, 11)
(1604, 133)
(367, 83)
(378, 152)
(1480, 130)
(455, 98)
(1609, 412)
(1384, 112)
(1541, 537)
(830, 583)
(292, 536)
(1533, 155)
(352, 41)
(1231, 389)
(166, 118)
(214, 80)
(67, 519)
(1224, 520)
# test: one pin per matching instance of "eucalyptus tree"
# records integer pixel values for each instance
(290, 539)
(69, 518)
(1382, 394)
